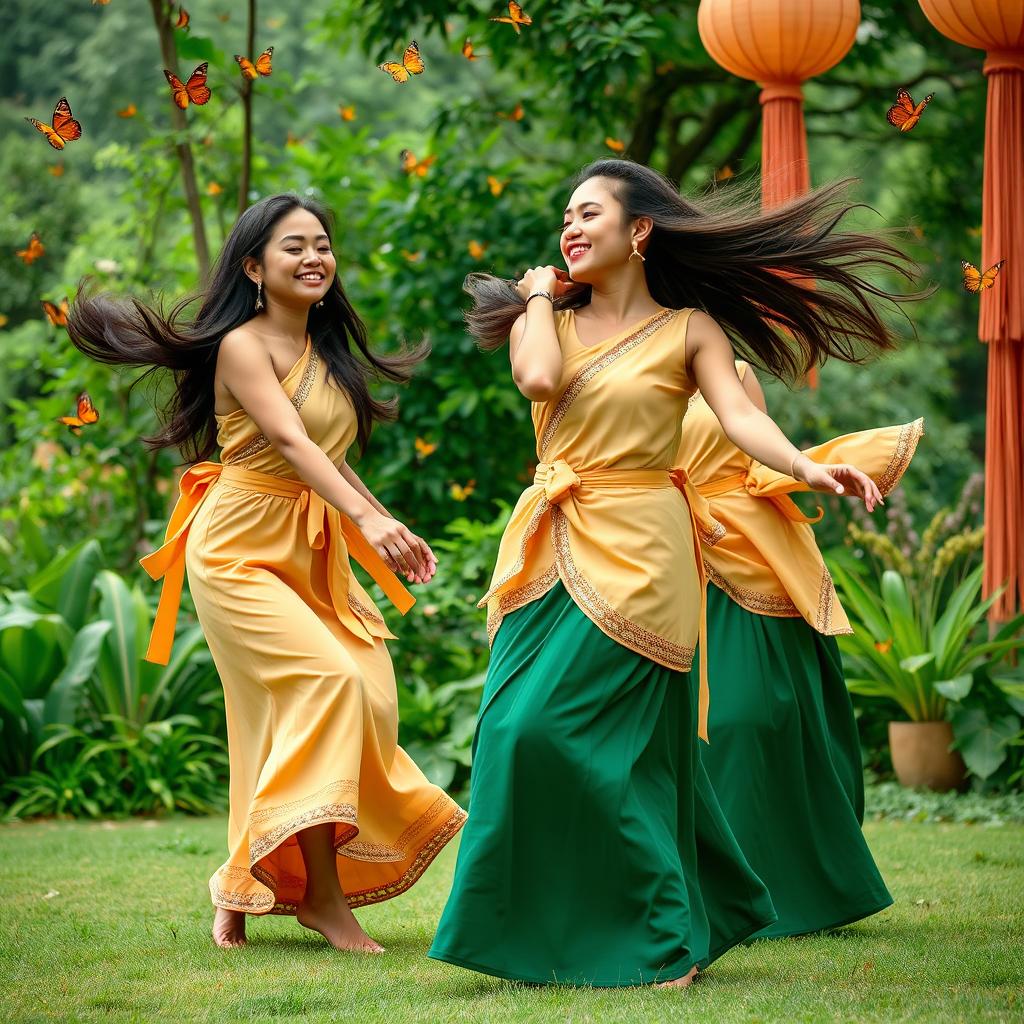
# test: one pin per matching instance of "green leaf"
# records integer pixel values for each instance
(982, 740)
(957, 688)
(63, 700)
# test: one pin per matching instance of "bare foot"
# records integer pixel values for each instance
(337, 924)
(228, 928)
(679, 982)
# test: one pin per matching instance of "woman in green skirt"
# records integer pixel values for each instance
(785, 762)
(596, 852)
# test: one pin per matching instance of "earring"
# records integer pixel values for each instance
(259, 296)
(637, 252)
(320, 304)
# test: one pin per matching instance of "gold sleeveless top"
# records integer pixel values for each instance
(249, 466)
(605, 514)
(768, 561)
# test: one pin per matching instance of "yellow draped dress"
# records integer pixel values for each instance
(308, 682)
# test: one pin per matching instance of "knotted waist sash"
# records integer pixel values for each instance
(557, 480)
(326, 528)
(766, 484)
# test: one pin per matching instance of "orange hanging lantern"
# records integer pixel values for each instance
(779, 44)
(997, 27)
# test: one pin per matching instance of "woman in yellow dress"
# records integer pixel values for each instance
(596, 852)
(785, 763)
(327, 811)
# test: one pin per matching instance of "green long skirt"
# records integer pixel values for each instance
(595, 851)
(785, 763)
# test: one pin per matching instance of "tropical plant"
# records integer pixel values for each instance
(930, 666)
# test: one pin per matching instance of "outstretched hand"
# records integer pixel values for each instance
(838, 478)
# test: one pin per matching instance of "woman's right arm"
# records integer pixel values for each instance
(533, 342)
(248, 373)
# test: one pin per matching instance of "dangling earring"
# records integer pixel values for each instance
(259, 296)
(637, 252)
(320, 304)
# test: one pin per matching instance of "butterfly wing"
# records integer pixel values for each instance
(32, 251)
(902, 110)
(246, 66)
(183, 18)
(196, 88)
(467, 50)
(178, 92)
(989, 277)
(516, 13)
(66, 127)
(51, 136)
(411, 59)
(57, 315)
(396, 71)
(87, 412)
(972, 278)
(263, 65)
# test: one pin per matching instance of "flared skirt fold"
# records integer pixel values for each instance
(785, 764)
(595, 852)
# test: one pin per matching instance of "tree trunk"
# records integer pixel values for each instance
(243, 184)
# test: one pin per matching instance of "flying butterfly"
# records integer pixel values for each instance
(413, 166)
(130, 111)
(468, 52)
(63, 127)
(496, 185)
(57, 170)
(348, 113)
(412, 64)
(615, 145)
(261, 66)
(86, 414)
(32, 251)
(192, 91)
(57, 315)
(975, 281)
(516, 17)
(904, 113)
(183, 18)
(515, 115)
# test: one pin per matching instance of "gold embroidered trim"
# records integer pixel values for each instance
(420, 864)
(364, 611)
(513, 599)
(531, 528)
(260, 443)
(423, 822)
(827, 601)
(336, 787)
(906, 445)
(259, 848)
(373, 852)
(588, 371)
(618, 627)
(753, 600)
(711, 536)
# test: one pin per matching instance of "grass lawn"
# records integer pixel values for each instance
(109, 922)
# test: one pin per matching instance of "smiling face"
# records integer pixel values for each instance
(298, 265)
(595, 237)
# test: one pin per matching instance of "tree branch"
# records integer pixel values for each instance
(243, 185)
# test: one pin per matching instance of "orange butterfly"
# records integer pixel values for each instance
(183, 18)
(347, 113)
(4, 319)
(904, 113)
(460, 493)
(412, 64)
(57, 170)
(724, 173)
(64, 127)
(86, 414)
(516, 17)
(214, 189)
(261, 66)
(516, 115)
(413, 166)
(476, 250)
(425, 448)
(32, 251)
(100, 3)
(57, 315)
(468, 52)
(193, 91)
(975, 281)
(496, 185)
(412, 257)
(883, 646)
(616, 145)
(130, 111)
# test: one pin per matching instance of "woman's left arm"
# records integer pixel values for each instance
(711, 366)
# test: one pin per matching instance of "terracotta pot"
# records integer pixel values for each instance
(921, 755)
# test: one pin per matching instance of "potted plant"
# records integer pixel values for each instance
(921, 642)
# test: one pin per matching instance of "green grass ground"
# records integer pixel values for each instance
(109, 922)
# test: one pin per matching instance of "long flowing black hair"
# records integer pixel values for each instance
(783, 283)
(128, 332)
